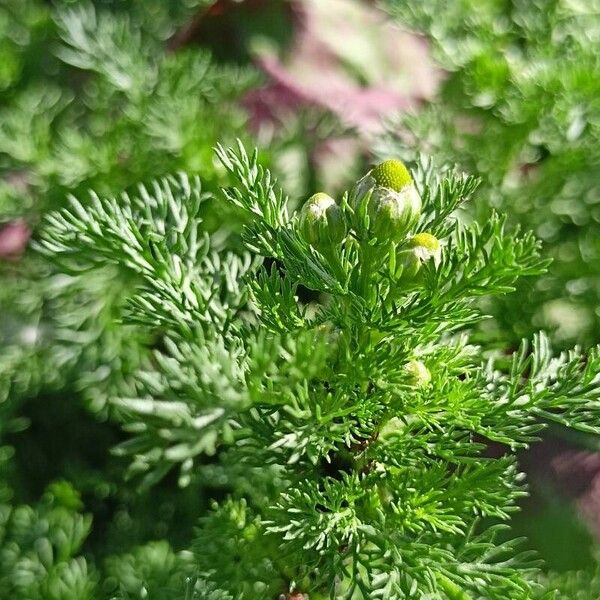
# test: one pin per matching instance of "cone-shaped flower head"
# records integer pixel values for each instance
(393, 204)
(392, 174)
(322, 222)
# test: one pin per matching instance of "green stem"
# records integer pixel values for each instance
(366, 264)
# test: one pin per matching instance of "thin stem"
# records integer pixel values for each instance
(366, 263)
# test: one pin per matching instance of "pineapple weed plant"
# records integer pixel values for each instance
(324, 382)
(519, 108)
(256, 381)
(89, 98)
(102, 106)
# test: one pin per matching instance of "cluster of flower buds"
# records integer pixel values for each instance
(322, 222)
(385, 205)
(386, 202)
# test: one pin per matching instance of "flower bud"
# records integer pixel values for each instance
(405, 265)
(418, 373)
(418, 250)
(426, 246)
(322, 222)
(393, 204)
(392, 214)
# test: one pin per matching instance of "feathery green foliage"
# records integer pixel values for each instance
(347, 429)
(91, 97)
(313, 396)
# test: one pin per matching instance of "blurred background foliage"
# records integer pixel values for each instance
(109, 94)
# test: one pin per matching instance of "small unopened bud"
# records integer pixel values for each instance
(322, 222)
(407, 263)
(418, 373)
(392, 214)
(393, 204)
(426, 246)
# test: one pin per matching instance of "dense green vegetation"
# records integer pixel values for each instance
(214, 388)
(519, 108)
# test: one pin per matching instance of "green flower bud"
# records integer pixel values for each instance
(426, 246)
(407, 263)
(392, 214)
(322, 222)
(418, 373)
(393, 204)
